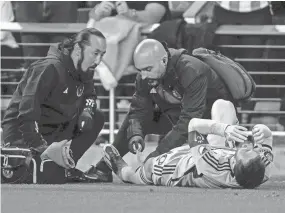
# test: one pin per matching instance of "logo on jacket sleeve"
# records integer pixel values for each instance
(65, 91)
(80, 90)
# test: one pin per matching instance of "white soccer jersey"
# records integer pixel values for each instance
(201, 166)
(172, 164)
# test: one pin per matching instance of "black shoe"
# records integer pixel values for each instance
(75, 175)
(113, 159)
(97, 176)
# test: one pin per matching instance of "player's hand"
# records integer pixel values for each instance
(236, 133)
(122, 8)
(104, 9)
(260, 132)
(136, 143)
(85, 121)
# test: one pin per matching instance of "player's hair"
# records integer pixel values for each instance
(82, 38)
(251, 174)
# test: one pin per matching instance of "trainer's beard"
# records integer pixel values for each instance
(84, 75)
(79, 64)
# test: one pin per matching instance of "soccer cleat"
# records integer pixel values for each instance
(113, 159)
(95, 175)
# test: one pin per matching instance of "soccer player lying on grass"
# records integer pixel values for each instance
(228, 158)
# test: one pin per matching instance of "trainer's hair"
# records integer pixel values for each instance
(251, 174)
(81, 38)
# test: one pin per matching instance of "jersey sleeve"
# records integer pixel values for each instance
(198, 129)
(207, 126)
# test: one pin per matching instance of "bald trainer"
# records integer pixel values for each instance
(181, 86)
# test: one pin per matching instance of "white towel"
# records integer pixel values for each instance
(59, 152)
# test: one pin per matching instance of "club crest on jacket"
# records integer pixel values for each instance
(80, 90)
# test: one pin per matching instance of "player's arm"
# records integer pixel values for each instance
(264, 140)
(39, 84)
(140, 109)
(206, 126)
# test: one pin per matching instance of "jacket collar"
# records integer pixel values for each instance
(174, 56)
(65, 58)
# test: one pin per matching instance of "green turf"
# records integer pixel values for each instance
(124, 198)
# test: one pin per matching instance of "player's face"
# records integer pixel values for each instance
(246, 152)
(93, 53)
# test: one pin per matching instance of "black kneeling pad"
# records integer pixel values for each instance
(51, 173)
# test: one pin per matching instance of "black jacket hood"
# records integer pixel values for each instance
(174, 56)
(64, 57)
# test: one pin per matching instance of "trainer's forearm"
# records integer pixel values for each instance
(206, 126)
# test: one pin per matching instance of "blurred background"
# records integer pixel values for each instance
(252, 33)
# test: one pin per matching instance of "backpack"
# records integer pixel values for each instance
(235, 77)
(18, 165)
(22, 166)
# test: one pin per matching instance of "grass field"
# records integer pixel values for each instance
(118, 197)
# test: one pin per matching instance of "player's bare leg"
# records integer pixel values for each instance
(125, 172)
(224, 112)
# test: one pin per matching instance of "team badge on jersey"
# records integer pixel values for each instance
(80, 90)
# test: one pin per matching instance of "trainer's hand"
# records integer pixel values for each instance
(104, 9)
(136, 143)
(85, 121)
(236, 133)
(260, 132)
(39, 149)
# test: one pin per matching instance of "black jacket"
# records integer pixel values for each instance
(191, 82)
(50, 94)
